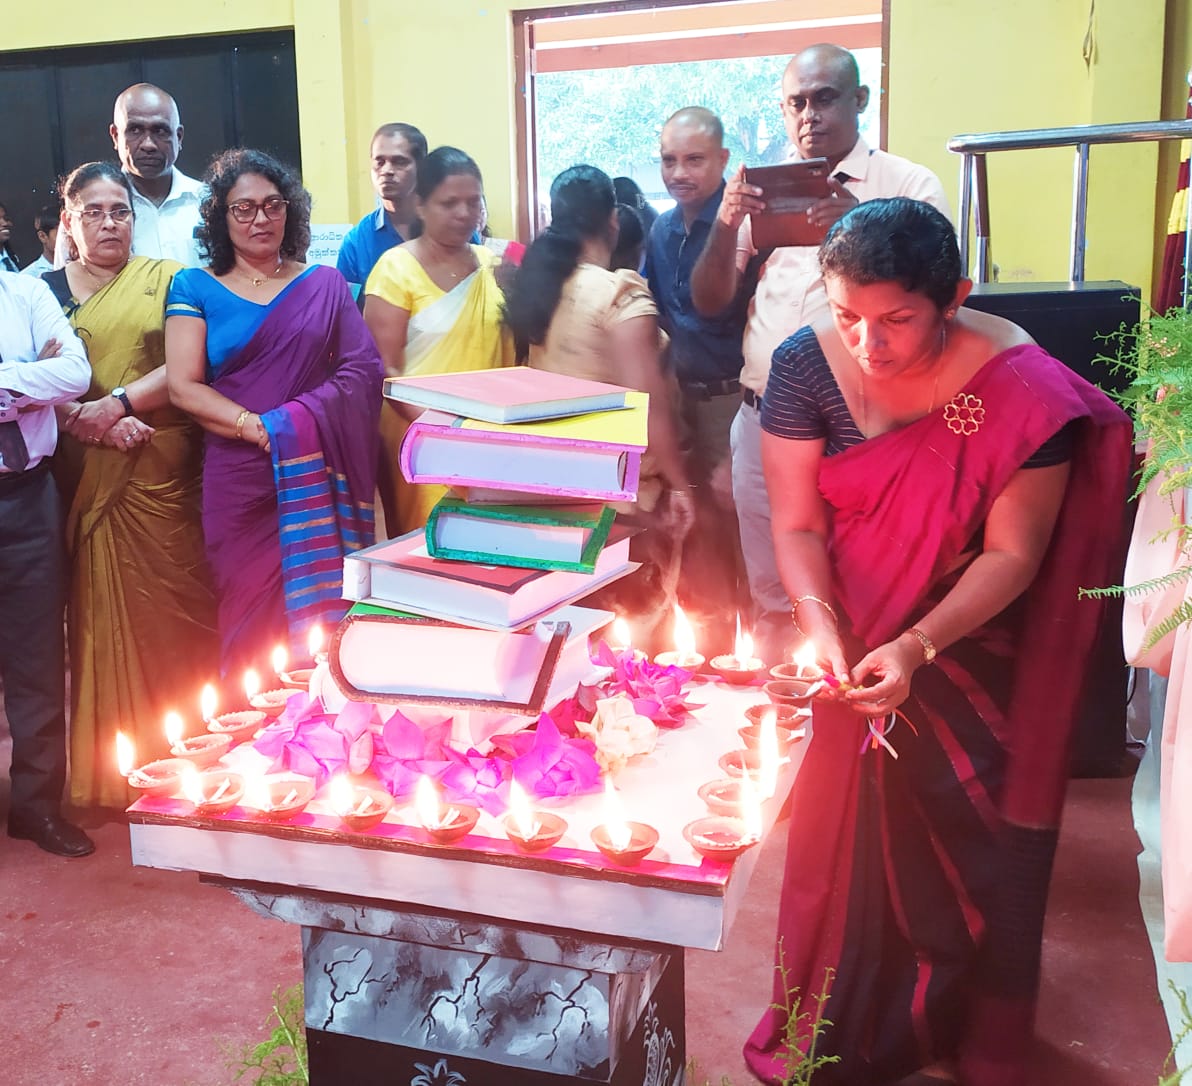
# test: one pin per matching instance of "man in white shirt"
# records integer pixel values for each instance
(147, 134)
(47, 233)
(42, 363)
(822, 101)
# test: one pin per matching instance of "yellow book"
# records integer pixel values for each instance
(597, 455)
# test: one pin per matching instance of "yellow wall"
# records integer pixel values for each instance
(962, 68)
(954, 67)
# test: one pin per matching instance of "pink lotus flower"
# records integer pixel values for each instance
(404, 752)
(546, 764)
(304, 740)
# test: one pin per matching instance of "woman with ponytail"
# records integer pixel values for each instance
(570, 314)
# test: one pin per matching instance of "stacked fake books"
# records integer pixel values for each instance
(477, 610)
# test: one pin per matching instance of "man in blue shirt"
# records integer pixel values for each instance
(394, 154)
(705, 352)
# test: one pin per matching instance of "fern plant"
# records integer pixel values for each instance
(802, 1032)
(1157, 356)
(280, 1059)
(1175, 1077)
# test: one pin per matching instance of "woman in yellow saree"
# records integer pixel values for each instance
(141, 613)
(433, 306)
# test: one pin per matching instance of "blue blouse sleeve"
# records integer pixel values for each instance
(185, 298)
(791, 407)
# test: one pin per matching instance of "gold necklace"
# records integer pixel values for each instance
(95, 278)
(935, 385)
(259, 280)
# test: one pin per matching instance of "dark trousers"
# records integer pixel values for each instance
(32, 665)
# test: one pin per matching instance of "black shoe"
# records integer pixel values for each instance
(51, 833)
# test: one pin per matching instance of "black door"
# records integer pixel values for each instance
(232, 91)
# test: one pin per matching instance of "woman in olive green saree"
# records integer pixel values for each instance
(141, 613)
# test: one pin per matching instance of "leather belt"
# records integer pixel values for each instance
(15, 480)
(751, 399)
(705, 390)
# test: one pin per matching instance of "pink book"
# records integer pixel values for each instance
(512, 394)
(401, 574)
(597, 455)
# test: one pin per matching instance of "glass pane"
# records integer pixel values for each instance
(613, 117)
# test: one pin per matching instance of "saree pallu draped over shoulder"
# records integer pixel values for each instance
(461, 329)
(141, 613)
(918, 884)
(278, 525)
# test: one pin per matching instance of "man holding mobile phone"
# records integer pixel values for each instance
(822, 101)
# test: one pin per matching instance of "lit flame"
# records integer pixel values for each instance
(767, 748)
(174, 728)
(521, 812)
(804, 660)
(208, 702)
(126, 755)
(278, 660)
(751, 810)
(684, 636)
(619, 834)
(314, 640)
(192, 786)
(621, 635)
(341, 794)
(427, 805)
(252, 684)
(742, 647)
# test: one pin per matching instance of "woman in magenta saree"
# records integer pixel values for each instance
(942, 488)
(273, 359)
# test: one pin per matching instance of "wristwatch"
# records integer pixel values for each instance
(122, 396)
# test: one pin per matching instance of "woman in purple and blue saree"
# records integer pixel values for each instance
(273, 359)
(941, 490)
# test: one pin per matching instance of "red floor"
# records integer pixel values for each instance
(121, 976)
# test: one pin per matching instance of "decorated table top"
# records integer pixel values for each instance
(673, 896)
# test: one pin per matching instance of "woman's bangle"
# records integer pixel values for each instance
(814, 599)
(240, 420)
(929, 652)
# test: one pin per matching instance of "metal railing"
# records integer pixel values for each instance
(974, 178)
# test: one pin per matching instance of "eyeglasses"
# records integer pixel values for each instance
(245, 211)
(94, 216)
(821, 99)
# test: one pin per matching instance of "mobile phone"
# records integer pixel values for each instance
(788, 190)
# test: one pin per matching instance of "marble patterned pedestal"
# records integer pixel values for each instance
(473, 964)
(432, 999)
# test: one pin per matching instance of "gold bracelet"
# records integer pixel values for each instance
(814, 599)
(240, 423)
(929, 652)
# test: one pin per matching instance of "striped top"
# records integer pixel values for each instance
(803, 402)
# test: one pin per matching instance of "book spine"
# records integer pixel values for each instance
(517, 561)
(627, 474)
(357, 579)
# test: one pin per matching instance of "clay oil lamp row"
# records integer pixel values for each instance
(734, 801)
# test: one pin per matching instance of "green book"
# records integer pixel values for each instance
(562, 537)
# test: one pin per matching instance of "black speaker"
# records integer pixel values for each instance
(1070, 321)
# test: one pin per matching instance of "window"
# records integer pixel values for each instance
(599, 86)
